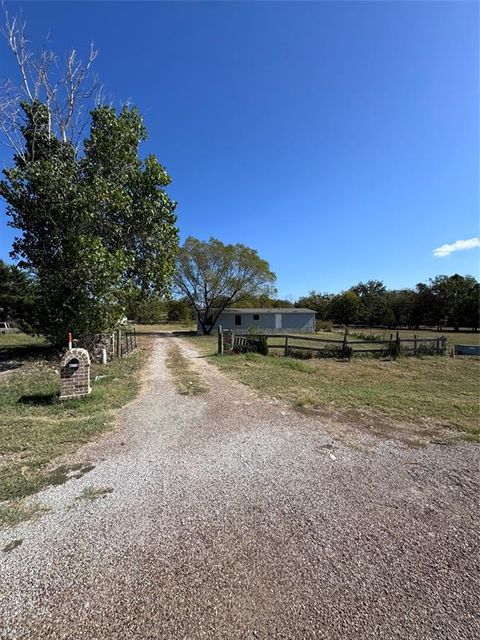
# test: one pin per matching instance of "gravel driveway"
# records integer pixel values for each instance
(234, 517)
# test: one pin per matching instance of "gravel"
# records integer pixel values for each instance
(233, 516)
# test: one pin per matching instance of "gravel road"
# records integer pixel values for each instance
(235, 517)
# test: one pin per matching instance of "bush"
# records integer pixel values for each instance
(336, 351)
(323, 325)
(368, 337)
(262, 347)
(426, 349)
(299, 354)
(393, 350)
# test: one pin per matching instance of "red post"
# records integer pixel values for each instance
(70, 341)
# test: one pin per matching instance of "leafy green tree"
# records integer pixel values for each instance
(95, 229)
(399, 307)
(373, 307)
(213, 275)
(264, 301)
(471, 306)
(17, 294)
(179, 310)
(146, 309)
(345, 307)
(455, 299)
(318, 302)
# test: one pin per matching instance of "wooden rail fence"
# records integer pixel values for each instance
(343, 348)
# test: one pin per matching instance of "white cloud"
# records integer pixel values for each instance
(458, 245)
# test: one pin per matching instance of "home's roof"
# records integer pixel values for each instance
(268, 310)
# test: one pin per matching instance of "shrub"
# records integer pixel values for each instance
(426, 349)
(393, 350)
(368, 337)
(323, 325)
(299, 354)
(335, 351)
(262, 347)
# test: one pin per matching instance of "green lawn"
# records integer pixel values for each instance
(430, 391)
(19, 340)
(36, 427)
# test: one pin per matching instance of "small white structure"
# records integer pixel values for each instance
(266, 320)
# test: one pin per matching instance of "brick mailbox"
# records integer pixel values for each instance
(75, 374)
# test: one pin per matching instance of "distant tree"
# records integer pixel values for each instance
(146, 309)
(345, 308)
(373, 305)
(264, 301)
(17, 294)
(471, 306)
(179, 310)
(399, 307)
(424, 310)
(213, 275)
(318, 302)
(455, 298)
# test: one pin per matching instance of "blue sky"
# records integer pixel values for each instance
(339, 139)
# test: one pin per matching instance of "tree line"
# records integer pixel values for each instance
(443, 301)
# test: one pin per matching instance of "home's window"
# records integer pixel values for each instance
(238, 320)
(256, 316)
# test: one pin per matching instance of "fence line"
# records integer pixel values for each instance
(346, 348)
(125, 342)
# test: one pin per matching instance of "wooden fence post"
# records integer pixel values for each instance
(344, 344)
(119, 343)
(220, 340)
(397, 340)
(415, 345)
(286, 347)
(444, 346)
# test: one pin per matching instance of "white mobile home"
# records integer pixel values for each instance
(271, 320)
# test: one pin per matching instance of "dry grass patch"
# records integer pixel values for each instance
(16, 511)
(431, 392)
(166, 327)
(187, 381)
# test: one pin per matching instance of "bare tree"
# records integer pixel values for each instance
(66, 89)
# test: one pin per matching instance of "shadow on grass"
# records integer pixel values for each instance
(166, 334)
(9, 366)
(39, 399)
(29, 352)
(33, 480)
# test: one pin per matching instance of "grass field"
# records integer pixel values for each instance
(36, 427)
(429, 391)
(19, 340)
(170, 327)
(452, 336)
